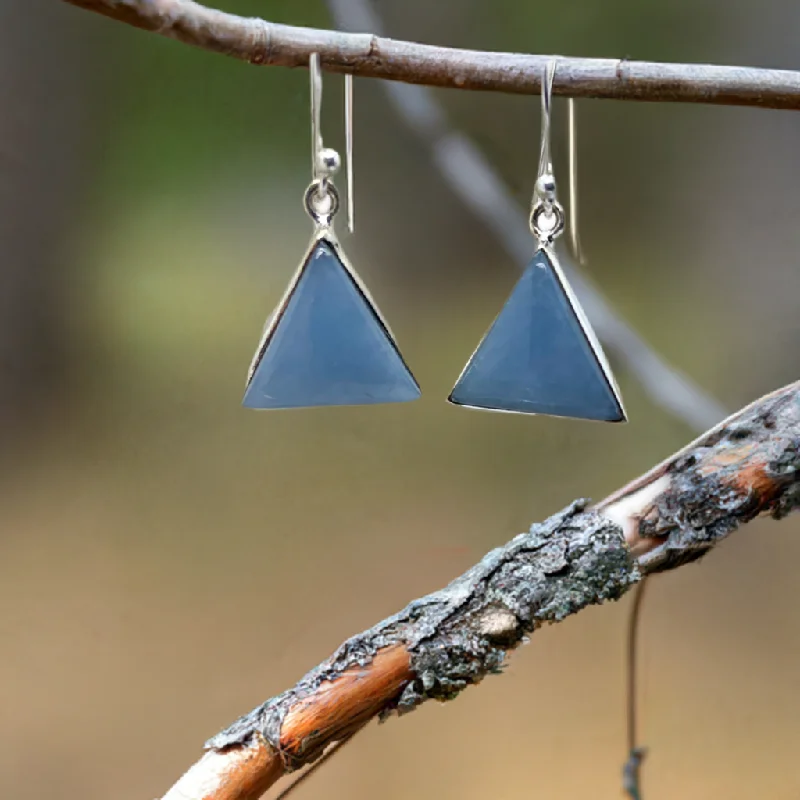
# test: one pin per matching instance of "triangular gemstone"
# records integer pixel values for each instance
(329, 346)
(537, 358)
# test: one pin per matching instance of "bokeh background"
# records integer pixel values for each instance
(168, 560)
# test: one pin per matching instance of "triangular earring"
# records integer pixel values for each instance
(327, 344)
(541, 355)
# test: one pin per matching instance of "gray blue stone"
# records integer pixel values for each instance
(536, 357)
(329, 348)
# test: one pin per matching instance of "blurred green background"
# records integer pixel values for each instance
(168, 559)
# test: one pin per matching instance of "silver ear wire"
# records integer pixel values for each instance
(321, 197)
(574, 238)
(547, 214)
(545, 158)
(348, 134)
(315, 75)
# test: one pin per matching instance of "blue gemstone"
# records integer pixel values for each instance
(329, 347)
(536, 358)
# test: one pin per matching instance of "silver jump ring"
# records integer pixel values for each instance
(540, 210)
(318, 191)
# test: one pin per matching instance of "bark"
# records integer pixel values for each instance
(441, 644)
(260, 42)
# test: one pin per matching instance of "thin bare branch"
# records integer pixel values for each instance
(633, 632)
(438, 645)
(260, 42)
(631, 771)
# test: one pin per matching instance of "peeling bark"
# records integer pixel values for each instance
(440, 644)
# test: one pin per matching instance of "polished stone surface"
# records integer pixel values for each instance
(329, 348)
(536, 359)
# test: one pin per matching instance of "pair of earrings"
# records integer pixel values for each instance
(327, 343)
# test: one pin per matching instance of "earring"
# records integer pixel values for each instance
(326, 344)
(541, 356)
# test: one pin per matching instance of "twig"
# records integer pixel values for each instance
(261, 42)
(633, 630)
(442, 643)
(631, 777)
(471, 177)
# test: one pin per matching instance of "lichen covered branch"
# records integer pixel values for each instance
(455, 637)
(441, 644)
(745, 466)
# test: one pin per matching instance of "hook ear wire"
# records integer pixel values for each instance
(325, 162)
(315, 74)
(574, 237)
(348, 133)
(545, 158)
(547, 215)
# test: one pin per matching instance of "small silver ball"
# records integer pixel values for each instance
(546, 187)
(328, 161)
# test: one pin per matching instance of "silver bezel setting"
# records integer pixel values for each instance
(588, 333)
(322, 234)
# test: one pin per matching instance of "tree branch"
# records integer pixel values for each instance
(260, 42)
(438, 645)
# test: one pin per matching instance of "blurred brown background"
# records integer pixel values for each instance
(168, 559)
